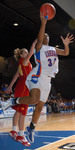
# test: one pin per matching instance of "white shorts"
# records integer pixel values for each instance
(43, 84)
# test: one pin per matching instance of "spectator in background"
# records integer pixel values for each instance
(4, 87)
(73, 103)
(4, 96)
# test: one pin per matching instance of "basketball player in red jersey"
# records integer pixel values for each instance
(24, 68)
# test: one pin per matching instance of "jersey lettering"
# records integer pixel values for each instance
(50, 62)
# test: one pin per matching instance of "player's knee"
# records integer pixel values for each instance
(39, 106)
(39, 109)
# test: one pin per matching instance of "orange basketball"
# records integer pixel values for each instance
(48, 10)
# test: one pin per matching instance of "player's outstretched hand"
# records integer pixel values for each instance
(69, 39)
(43, 19)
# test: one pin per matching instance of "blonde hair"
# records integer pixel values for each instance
(17, 53)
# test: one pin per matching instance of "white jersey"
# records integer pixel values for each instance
(46, 68)
(46, 64)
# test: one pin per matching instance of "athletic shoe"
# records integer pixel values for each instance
(23, 140)
(1, 111)
(31, 134)
(13, 134)
(9, 103)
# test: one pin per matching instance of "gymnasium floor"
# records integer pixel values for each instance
(55, 131)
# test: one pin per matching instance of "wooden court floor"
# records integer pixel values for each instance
(60, 121)
(50, 122)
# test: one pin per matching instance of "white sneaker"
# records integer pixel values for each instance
(7, 104)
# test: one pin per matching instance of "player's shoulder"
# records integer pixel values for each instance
(48, 47)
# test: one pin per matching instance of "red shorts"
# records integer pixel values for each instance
(21, 108)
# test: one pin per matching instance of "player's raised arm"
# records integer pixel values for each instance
(41, 33)
(69, 39)
(30, 53)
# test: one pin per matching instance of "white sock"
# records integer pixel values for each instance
(14, 128)
(17, 101)
(21, 132)
(34, 124)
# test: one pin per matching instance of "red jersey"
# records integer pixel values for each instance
(24, 70)
(21, 88)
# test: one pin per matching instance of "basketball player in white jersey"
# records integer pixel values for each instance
(39, 80)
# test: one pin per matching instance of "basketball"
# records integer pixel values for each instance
(48, 10)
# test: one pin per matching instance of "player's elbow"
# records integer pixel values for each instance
(66, 54)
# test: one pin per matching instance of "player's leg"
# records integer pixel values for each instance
(45, 87)
(13, 132)
(36, 114)
(21, 137)
(32, 99)
(21, 123)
